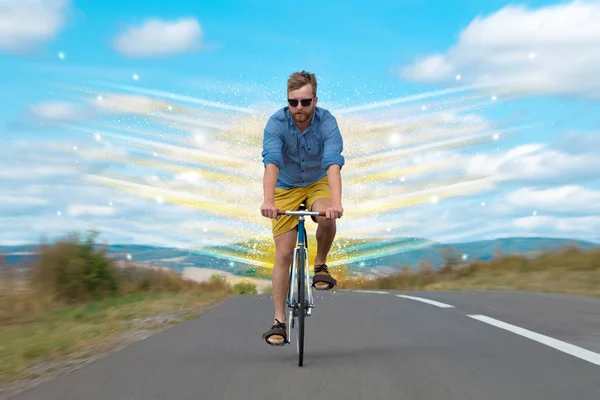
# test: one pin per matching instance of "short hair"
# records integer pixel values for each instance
(300, 79)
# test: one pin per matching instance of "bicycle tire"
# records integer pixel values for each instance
(301, 305)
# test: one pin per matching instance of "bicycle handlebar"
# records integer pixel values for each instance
(289, 212)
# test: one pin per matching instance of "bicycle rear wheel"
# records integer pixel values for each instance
(301, 305)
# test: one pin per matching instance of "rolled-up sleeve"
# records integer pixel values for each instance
(272, 144)
(333, 144)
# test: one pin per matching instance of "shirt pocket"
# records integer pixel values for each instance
(315, 147)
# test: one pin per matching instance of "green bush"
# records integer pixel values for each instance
(73, 270)
(244, 288)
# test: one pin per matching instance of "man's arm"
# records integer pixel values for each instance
(269, 182)
(333, 161)
(334, 176)
(272, 159)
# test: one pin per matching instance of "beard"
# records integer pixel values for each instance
(302, 116)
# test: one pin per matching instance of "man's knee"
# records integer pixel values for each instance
(322, 205)
(284, 247)
(323, 223)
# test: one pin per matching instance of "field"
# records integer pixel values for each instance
(566, 270)
(75, 302)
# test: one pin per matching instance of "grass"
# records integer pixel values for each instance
(84, 330)
(568, 270)
(74, 302)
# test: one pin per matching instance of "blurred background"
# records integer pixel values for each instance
(461, 123)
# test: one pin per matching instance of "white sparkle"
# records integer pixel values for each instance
(110, 203)
(74, 147)
(424, 108)
(494, 98)
(61, 55)
(204, 230)
(402, 179)
(99, 98)
(465, 256)
(58, 213)
(98, 137)
(434, 199)
(496, 136)
(535, 213)
(458, 77)
(170, 108)
(483, 204)
(135, 77)
(389, 229)
(155, 154)
(129, 257)
(532, 55)
(395, 138)
(160, 200)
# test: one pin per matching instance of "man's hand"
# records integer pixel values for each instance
(335, 211)
(269, 210)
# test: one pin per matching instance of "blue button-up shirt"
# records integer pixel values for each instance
(302, 158)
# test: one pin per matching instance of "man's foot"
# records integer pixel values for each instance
(322, 280)
(277, 335)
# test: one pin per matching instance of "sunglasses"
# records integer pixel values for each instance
(304, 102)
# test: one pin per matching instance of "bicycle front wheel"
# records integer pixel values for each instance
(301, 305)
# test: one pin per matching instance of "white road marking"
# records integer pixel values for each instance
(432, 302)
(568, 348)
(371, 291)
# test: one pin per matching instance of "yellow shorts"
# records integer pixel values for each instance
(290, 199)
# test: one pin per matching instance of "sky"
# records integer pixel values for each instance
(462, 120)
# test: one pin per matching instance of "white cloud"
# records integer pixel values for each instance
(22, 171)
(577, 227)
(572, 158)
(572, 199)
(60, 111)
(125, 104)
(157, 37)
(553, 49)
(26, 23)
(77, 210)
(56, 110)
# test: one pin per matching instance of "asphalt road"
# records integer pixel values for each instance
(362, 346)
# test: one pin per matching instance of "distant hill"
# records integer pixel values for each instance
(480, 250)
(386, 256)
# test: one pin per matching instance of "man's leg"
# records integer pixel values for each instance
(326, 231)
(284, 232)
(284, 252)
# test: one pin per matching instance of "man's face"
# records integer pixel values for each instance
(299, 112)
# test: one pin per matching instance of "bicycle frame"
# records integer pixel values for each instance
(300, 295)
(300, 247)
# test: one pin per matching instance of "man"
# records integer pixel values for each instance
(302, 148)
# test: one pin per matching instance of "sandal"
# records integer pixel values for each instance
(322, 280)
(277, 335)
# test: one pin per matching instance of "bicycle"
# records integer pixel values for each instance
(300, 296)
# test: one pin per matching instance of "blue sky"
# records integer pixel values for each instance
(83, 73)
